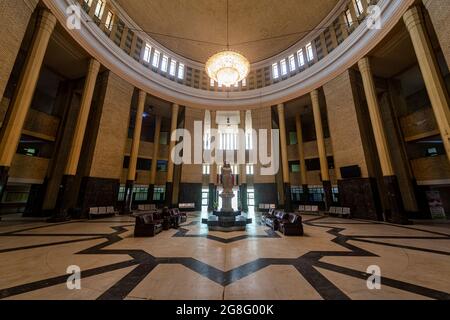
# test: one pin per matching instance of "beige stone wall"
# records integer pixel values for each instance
(344, 126)
(143, 177)
(439, 11)
(14, 18)
(41, 125)
(109, 149)
(192, 173)
(146, 150)
(431, 168)
(32, 169)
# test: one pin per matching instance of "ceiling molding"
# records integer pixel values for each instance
(355, 47)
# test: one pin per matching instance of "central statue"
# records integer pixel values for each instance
(227, 219)
(227, 183)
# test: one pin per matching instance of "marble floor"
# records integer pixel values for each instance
(330, 262)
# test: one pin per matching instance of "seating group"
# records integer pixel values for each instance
(147, 207)
(308, 209)
(102, 212)
(340, 211)
(290, 224)
(266, 206)
(187, 206)
(152, 222)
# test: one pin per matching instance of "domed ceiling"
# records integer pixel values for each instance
(257, 28)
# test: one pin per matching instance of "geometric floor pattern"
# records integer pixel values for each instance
(329, 262)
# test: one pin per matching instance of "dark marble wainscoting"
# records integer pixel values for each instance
(128, 203)
(362, 197)
(35, 200)
(169, 195)
(191, 193)
(3, 179)
(266, 193)
(287, 197)
(243, 189)
(397, 212)
(98, 192)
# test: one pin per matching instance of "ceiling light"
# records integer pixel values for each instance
(227, 67)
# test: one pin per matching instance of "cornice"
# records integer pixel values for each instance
(356, 46)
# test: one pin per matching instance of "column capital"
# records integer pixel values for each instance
(413, 17)
(142, 95)
(314, 93)
(94, 66)
(175, 108)
(47, 21)
(364, 64)
(280, 107)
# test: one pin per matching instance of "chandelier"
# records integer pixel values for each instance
(227, 67)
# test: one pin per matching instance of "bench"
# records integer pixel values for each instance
(147, 207)
(308, 209)
(102, 212)
(266, 206)
(187, 206)
(340, 211)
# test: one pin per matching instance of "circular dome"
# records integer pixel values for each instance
(197, 29)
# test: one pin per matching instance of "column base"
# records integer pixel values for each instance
(244, 200)
(169, 194)
(287, 197)
(212, 197)
(305, 195)
(151, 191)
(63, 202)
(3, 180)
(35, 200)
(362, 196)
(129, 185)
(397, 213)
(328, 196)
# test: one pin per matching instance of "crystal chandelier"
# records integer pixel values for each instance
(227, 67)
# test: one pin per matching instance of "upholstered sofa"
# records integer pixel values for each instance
(291, 225)
(147, 225)
(273, 218)
(178, 213)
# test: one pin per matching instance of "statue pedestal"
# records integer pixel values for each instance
(227, 220)
(227, 197)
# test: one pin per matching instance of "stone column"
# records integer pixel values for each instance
(21, 102)
(213, 168)
(301, 157)
(170, 166)
(393, 196)
(322, 150)
(155, 158)
(67, 184)
(284, 159)
(242, 167)
(134, 152)
(434, 82)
